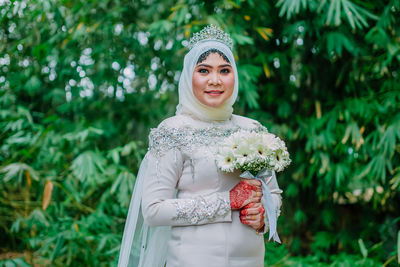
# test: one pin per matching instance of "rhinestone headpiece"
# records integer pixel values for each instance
(211, 32)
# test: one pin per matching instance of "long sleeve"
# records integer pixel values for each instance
(161, 208)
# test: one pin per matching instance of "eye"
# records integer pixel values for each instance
(225, 71)
(202, 70)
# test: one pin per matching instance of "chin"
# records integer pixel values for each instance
(214, 104)
(213, 101)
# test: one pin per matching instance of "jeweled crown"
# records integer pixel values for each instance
(211, 32)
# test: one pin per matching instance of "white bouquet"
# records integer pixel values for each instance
(257, 155)
(253, 152)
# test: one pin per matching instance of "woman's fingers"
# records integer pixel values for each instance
(255, 221)
(253, 215)
(245, 209)
(257, 194)
(252, 200)
(250, 205)
(254, 182)
(253, 211)
(256, 197)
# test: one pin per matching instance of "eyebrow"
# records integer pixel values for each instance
(209, 66)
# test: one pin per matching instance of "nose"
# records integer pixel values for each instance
(214, 78)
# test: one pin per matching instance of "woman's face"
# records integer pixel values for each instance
(213, 81)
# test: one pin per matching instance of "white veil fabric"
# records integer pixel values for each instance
(143, 245)
(188, 103)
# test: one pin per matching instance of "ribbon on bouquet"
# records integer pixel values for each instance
(271, 218)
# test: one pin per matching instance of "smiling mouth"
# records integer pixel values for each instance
(214, 92)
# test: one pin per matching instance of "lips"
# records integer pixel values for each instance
(214, 92)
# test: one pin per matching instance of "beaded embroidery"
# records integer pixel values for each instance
(163, 139)
(199, 209)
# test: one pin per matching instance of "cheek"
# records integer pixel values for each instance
(198, 83)
(229, 82)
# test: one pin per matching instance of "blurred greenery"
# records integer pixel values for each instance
(82, 83)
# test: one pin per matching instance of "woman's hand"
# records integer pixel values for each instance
(253, 215)
(245, 192)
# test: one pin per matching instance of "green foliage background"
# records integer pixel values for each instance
(82, 82)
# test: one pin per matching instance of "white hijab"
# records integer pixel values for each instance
(188, 103)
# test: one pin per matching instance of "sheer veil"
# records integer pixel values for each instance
(142, 245)
(146, 246)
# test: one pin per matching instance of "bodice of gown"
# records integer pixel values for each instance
(185, 189)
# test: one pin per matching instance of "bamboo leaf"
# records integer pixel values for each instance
(291, 7)
(88, 166)
(349, 15)
(242, 39)
(331, 11)
(58, 247)
(337, 12)
(16, 171)
(264, 32)
(364, 251)
(21, 262)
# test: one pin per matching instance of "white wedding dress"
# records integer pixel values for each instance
(183, 188)
(180, 215)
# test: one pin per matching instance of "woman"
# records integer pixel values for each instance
(185, 212)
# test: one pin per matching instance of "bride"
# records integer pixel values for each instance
(184, 211)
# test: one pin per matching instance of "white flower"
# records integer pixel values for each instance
(281, 159)
(243, 153)
(271, 141)
(252, 151)
(225, 160)
(233, 142)
(261, 150)
(253, 140)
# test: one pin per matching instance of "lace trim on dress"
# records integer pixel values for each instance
(200, 209)
(163, 139)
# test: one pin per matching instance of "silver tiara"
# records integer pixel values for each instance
(211, 32)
